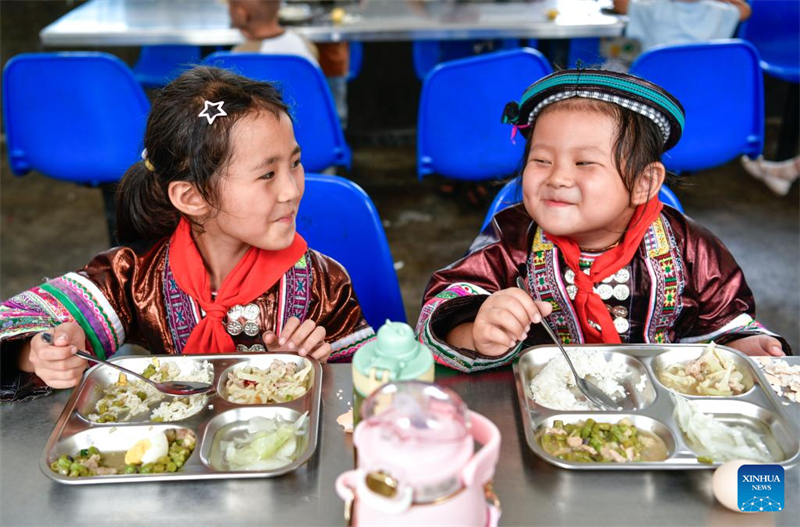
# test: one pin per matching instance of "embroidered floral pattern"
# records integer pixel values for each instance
(664, 264)
(442, 352)
(547, 285)
(298, 290)
(347, 346)
(182, 314)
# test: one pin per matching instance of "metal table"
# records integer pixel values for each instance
(532, 491)
(206, 22)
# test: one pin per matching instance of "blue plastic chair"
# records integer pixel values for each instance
(459, 129)
(73, 116)
(316, 124)
(159, 65)
(774, 29)
(427, 54)
(669, 198)
(585, 50)
(721, 88)
(356, 59)
(510, 195)
(338, 218)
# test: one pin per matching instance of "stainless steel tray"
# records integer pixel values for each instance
(758, 408)
(74, 431)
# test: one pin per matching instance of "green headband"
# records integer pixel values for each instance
(622, 89)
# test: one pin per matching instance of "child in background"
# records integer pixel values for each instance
(654, 23)
(259, 24)
(220, 267)
(334, 59)
(603, 261)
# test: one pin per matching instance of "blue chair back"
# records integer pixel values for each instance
(73, 116)
(774, 29)
(459, 129)
(338, 218)
(720, 85)
(585, 50)
(669, 198)
(510, 194)
(427, 54)
(316, 123)
(159, 65)
(356, 59)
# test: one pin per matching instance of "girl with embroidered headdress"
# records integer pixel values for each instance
(602, 259)
(213, 262)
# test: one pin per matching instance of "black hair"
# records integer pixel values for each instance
(180, 146)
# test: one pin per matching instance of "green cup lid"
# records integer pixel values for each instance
(395, 351)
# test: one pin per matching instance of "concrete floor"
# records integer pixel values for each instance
(50, 227)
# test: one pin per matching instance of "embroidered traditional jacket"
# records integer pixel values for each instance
(682, 286)
(127, 296)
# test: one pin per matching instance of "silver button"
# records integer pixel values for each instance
(257, 348)
(619, 311)
(235, 327)
(622, 276)
(251, 329)
(621, 292)
(608, 279)
(250, 312)
(594, 324)
(572, 290)
(235, 312)
(605, 291)
(569, 276)
(621, 325)
(241, 348)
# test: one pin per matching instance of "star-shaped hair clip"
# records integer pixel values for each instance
(217, 108)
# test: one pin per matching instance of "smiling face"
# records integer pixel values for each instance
(571, 185)
(260, 191)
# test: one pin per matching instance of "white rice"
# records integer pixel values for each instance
(554, 385)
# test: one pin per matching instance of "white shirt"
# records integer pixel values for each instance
(289, 43)
(667, 22)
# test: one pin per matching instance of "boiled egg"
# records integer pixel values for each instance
(725, 483)
(148, 450)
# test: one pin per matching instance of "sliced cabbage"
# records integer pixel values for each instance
(268, 444)
(715, 439)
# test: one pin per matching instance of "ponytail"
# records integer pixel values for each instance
(144, 211)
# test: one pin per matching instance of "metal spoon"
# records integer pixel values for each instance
(588, 388)
(174, 388)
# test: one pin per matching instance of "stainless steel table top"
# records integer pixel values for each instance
(532, 492)
(206, 22)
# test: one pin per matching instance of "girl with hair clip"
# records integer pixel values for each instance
(602, 259)
(213, 262)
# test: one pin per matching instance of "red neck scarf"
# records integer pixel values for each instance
(588, 305)
(256, 272)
